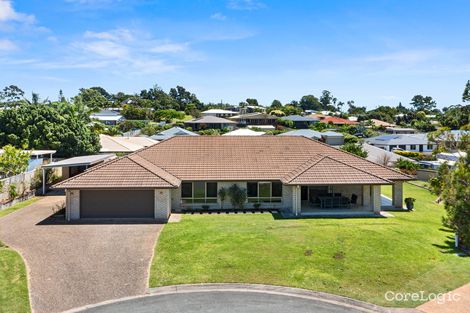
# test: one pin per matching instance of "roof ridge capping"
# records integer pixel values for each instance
(156, 170)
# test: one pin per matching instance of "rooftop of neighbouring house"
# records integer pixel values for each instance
(124, 144)
(210, 120)
(290, 159)
(299, 118)
(399, 139)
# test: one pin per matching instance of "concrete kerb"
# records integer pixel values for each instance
(258, 288)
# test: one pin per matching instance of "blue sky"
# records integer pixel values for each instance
(374, 52)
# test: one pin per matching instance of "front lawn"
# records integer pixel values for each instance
(13, 282)
(362, 258)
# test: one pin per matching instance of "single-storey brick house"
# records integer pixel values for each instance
(296, 175)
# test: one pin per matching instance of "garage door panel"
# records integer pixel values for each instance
(117, 203)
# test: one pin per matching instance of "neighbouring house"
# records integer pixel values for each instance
(107, 117)
(253, 119)
(328, 137)
(219, 113)
(301, 122)
(293, 174)
(261, 127)
(400, 130)
(379, 123)
(75, 166)
(171, 132)
(338, 121)
(210, 122)
(244, 132)
(381, 156)
(121, 145)
(37, 158)
(405, 142)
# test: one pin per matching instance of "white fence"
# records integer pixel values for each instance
(22, 183)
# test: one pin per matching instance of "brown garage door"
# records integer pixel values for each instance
(116, 203)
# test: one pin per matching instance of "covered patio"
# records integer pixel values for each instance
(344, 200)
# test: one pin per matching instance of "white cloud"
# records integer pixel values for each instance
(247, 5)
(169, 48)
(8, 13)
(119, 34)
(104, 48)
(218, 16)
(7, 45)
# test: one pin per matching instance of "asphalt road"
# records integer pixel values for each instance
(220, 302)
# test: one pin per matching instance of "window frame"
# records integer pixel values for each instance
(199, 200)
(412, 147)
(264, 199)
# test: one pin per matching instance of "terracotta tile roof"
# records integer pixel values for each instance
(319, 170)
(224, 158)
(126, 172)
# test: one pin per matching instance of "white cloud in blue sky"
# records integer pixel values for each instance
(373, 52)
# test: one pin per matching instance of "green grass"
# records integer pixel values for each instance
(13, 279)
(18, 206)
(361, 258)
(13, 282)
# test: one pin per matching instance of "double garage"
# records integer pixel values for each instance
(111, 204)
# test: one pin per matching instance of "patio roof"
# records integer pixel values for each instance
(86, 160)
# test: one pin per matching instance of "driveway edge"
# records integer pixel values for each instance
(258, 288)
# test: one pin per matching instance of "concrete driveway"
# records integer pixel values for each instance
(71, 265)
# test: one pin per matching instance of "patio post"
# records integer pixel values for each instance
(397, 194)
(43, 181)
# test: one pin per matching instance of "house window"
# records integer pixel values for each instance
(391, 147)
(199, 192)
(403, 147)
(412, 147)
(264, 192)
(430, 147)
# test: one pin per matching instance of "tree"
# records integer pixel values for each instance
(455, 117)
(103, 92)
(466, 92)
(132, 112)
(310, 102)
(454, 189)
(252, 101)
(291, 110)
(327, 101)
(168, 115)
(58, 126)
(13, 161)
(355, 110)
(91, 98)
(184, 97)
(276, 105)
(354, 149)
(421, 103)
(11, 93)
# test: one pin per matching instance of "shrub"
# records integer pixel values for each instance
(406, 166)
(222, 195)
(12, 192)
(354, 149)
(410, 203)
(238, 196)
